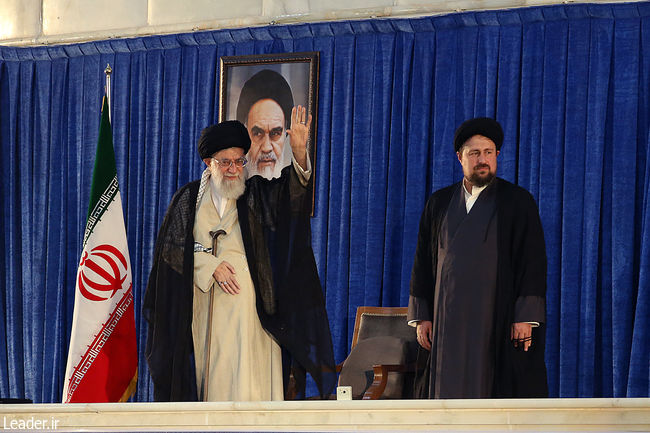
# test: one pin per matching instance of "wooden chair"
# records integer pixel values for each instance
(381, 362)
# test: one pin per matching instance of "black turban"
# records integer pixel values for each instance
(484, 126)
(266, 84)
(224, 135)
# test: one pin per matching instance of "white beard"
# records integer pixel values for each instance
(267, 171)
(232, 188)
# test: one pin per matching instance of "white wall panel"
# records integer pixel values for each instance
(343, 5)
(76, 16)
(177, 11)
(19, 18)
(446, 5)
(279, 8)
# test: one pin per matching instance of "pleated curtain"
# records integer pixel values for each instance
(570, 84)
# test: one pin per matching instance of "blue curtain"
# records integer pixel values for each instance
(570, 84)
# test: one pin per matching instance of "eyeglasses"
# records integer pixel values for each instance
(227, 163)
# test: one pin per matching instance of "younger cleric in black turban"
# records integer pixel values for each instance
(484, 126)
(266, 84)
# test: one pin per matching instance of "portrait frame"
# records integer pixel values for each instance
(300, 70)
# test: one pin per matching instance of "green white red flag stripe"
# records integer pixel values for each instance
(103, 359)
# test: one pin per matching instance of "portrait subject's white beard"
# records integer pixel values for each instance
(227, 188)
(267, 171)
(270, 171)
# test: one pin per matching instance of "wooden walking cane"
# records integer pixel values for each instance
(206, 363)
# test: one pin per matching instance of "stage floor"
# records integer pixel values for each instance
(543, 415)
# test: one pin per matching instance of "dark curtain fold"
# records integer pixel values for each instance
(570, 85)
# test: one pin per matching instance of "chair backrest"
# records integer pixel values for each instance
(381, 336)
(380, 321)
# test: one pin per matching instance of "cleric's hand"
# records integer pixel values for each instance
(521, 334)
(299, 134)
(224, 275)
(423, 331)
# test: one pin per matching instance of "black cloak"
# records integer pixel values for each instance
(521, 272)
(275, 227)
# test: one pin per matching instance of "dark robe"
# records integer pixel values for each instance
(509, 235)
(275, 227)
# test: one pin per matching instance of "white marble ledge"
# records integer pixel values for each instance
(386, 415)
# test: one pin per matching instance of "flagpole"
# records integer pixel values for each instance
(108, 72)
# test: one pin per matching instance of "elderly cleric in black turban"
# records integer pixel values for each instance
(266, 84)
(484, 126)
(227, 134)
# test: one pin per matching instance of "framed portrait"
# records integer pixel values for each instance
(260, 91)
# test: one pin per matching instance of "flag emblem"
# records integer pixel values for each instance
(93, 272)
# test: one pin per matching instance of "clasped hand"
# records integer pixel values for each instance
(224, 275)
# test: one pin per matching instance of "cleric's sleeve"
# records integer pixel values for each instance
(530, 268)
(419, 310)
(422, 274)
(204, 266)
(530, 309)
(303, 174)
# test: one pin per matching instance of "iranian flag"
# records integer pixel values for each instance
(103, 357)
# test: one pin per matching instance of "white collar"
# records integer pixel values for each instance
(476, 190)
(470, 198)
